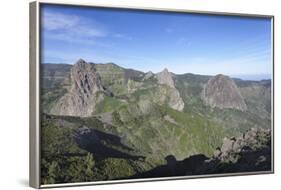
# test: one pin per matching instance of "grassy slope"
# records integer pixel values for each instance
(151, 136)
(64, 160)
(108, 104)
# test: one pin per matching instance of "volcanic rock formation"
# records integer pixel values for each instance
(222, 92)
(81, 98)
(249, 152)
(166, 78)
(148, 75)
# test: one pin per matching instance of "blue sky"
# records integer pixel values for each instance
(183, 43)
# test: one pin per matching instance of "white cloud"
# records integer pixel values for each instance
(56, 21)
(71, 28)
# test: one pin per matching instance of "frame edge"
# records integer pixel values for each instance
(34, 167)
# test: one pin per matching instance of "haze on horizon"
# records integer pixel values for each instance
(151, 41)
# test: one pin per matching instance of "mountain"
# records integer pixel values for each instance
(124, 123)
(222, 92)
(166, 78)
(82, 96)
(148, 75)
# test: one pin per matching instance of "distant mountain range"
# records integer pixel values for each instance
(135, 120)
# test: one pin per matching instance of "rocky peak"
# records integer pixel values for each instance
(249, 152)
(81, 98)
(80, 62)
(166, 77)
(251, 139)
(85, 79)
(148, 75)
(165, 70)
(222, 92)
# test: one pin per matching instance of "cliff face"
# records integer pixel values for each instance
(82, 96)
(222, 92)
(165, 77)
(175, 100)
(249, 152)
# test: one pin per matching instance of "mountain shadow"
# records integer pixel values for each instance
(250, 152)
(173, 167)
(103, 145)
(250, 161)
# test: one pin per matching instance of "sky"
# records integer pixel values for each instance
(151, 41)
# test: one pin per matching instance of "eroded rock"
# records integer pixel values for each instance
(222, 92)
(81, 98)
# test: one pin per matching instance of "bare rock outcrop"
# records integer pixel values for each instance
(82, 96)
(249, 152)
(232, 148)
(166, 78)
(222, 92)
(176, 101)
(148, 75)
